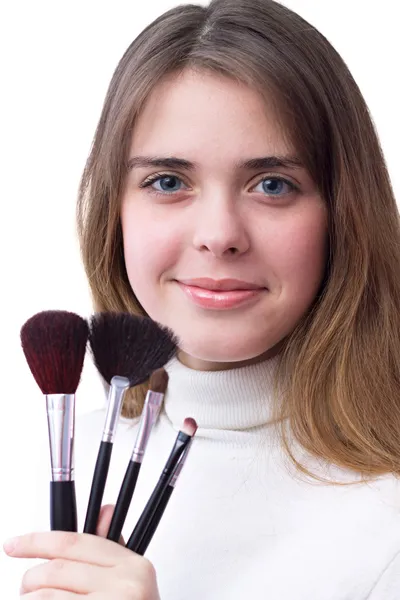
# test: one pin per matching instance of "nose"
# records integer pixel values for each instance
(219, 227)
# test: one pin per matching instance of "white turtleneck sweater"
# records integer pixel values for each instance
(240, 524)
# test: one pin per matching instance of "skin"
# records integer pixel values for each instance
(82, 565)
(219, 222)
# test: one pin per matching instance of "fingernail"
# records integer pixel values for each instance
(9, 545)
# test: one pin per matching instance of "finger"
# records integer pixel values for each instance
(65, 575)
(104, 522)
(82, 547)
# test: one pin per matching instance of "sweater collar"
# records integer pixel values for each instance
(234, 399)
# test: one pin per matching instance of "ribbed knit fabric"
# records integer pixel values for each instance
(234, 399)
(240, 524)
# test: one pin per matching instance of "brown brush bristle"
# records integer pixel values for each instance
(129, 345)
(159, 381)
(54, 344)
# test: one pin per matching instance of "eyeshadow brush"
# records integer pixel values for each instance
(162, 505)
(151, 410)
(182, 441)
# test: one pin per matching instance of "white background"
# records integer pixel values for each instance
(56, 60)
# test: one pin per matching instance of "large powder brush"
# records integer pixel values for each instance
(54, 344)
(126, 350)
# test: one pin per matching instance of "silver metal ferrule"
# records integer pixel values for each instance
(150, 412)
(61, 424)
(180, 464)
(116, 394)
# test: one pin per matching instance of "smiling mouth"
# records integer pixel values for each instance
(220, 299)
(220, 285)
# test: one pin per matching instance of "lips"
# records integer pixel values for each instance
(220, 294)
(220, 285)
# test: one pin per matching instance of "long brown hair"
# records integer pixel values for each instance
(339, 371)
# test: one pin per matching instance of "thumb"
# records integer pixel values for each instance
(103, 524)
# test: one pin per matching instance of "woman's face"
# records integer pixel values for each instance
(207, 219)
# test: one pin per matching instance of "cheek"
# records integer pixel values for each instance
(150, 248)
(300, 250)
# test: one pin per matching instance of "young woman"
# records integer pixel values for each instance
(237, 193)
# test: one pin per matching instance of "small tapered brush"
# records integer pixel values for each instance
(183, 439)
(54, 343)
(162, 505)
(126, 349)
(151, 409)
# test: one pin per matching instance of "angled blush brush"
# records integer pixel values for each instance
(182, 441)
(151, 409)
(54, 344)
(126, 349)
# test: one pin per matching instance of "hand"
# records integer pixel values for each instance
(80, 564)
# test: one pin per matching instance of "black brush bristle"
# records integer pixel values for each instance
(54, 344)
(129, 345)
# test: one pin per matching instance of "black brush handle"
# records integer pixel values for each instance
(63, 514)
(154, 522)
(98, 485)
(147, 514)
(124, 501)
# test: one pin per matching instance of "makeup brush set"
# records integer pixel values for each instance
(127, 351)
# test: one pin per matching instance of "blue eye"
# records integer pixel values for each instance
(271, 186)
(276, 186)
(166, 183)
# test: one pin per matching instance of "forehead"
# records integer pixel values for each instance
(202, 113)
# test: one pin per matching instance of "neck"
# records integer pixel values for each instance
(237, 398)
(199, 364)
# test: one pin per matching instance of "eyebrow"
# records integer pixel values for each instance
(172, 162)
